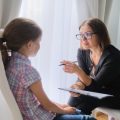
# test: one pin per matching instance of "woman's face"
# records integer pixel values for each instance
(88, 38)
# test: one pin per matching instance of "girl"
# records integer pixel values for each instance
(22, 37)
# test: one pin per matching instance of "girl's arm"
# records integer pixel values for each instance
(38, 91)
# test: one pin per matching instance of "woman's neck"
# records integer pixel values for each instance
(96, 51)
(95, 55)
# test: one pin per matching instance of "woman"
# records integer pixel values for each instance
(21, 38)
(99, 67)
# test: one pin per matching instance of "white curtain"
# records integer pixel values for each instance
(59, 20)
(9, 9)
(107, 11)
(113, 22)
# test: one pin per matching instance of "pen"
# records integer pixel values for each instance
(65, 64)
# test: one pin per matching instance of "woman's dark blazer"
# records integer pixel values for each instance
(106, 79)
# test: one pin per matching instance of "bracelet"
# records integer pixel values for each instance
(83, 83)
(77, 111)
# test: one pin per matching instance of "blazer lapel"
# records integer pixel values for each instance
(104, 55)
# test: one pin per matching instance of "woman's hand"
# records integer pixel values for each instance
(79, 86)
(70, 67)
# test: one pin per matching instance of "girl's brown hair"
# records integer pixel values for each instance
(17, 33)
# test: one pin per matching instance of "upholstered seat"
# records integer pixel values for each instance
(102, 113)
(8, 106)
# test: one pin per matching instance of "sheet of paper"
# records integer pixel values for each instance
(88, 93)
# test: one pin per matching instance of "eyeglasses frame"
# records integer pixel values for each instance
(84, 37)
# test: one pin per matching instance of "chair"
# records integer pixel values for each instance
(102, 113)
(8, 106)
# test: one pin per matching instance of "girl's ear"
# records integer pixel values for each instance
(29, 44)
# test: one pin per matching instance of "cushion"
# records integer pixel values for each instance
(102, 113)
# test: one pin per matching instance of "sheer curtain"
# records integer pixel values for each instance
(59, 20)
(9, 9)
(106, 10)
(113, 22)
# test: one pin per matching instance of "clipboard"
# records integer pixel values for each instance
(87, 93)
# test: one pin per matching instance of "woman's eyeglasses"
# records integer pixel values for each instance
(85, 36)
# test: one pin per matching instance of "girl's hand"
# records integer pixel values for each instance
(62, 105)
(69, 110)
(65, 105)
(79, 86)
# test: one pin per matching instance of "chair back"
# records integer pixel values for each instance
(8, 107)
